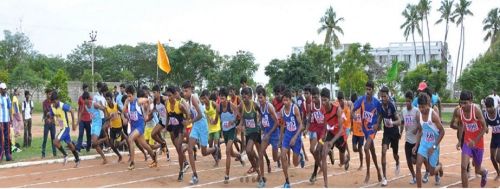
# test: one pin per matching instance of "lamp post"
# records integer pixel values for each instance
(92, 35)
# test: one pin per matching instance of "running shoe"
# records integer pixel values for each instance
(186, 167)
(226, 179)
(286, 185)
(384, 182)
(413, 180)
(425, 179)
(398, 170)
(181, 176)
(302, 162)
(484, 178)
(65, 160)
(194, 180)
(438, 180)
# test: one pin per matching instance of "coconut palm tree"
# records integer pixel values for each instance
(424, 7)
(330, 24)
(411, 24)
(446, 10)
(492, 25)
(461, 11)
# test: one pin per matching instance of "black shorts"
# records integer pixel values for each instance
(161, 123)
(340, 143)
(391, 139)
(255, 137)
(358, 141)
(409, 153)
(114, 133)
(176, 130)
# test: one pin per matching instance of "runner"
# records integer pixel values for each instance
(270, 134)
(176, 122)
(316, 130)
(391, 134)
(278, 107)
(84, 121)
(473, 128)
(492, 116)
(227, 113)
(346, 107)
(358, 138)
(96, 125)
(59, 111)
(159, 107)
(5, 121)
(199, 131)
(430, 132)
(292, 139)
(213, 122)
(409, 122)
(137, 111)
(114, 124)
(235, 100)
(370, 108)
(335, 135)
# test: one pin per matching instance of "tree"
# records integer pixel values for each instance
(424, 6)
(24, 77)
(446, 10)
(461, 11)
(355, 83)
(4, 76)
(492, 25)
(232, 68)
(127, 76)
(330, 24)
(481, 76)
(421, 17)
(14, 48)
(411, 24)
(436, 79)
(60, 84)
(352, 63)
(87, 78)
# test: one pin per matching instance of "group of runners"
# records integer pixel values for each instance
(249, 123)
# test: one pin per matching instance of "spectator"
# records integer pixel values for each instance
(496, 98)
(27, 109)
(48, 125)
(5, 119)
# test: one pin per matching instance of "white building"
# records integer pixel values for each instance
(404, 51)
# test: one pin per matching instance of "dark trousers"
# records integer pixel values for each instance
(46, 129)
(5, 149)
(84, 126)
(27, 133)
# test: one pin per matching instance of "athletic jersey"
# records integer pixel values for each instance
(152, 123)
(472, 127)
(212, 113)
(346, 116)
(162, 112)
(174, 113)
(227, 116)
(194, 113)
(332, 120)
(301, 104)
(95, 115)
(135, 114)
(317, 119)
(60, 114)
(250, 119)
(267, 121)
(278, 107)
(304, 108)
(115, 122)
(430, 132)
(356, 123)
(410, 124)
(291, 122)
(494, 123)
(369, 111)
(388, 116)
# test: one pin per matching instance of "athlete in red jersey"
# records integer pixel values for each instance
(316, 129)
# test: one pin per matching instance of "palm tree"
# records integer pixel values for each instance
(445, 10)
(424, 6)
(330, 23)
(411, 24)
(461, 10)
(492, 25)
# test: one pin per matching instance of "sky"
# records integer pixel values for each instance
(268, 29)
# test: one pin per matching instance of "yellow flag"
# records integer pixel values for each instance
(162, 59)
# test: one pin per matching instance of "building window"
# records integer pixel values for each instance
(407, 58)
(394, 57)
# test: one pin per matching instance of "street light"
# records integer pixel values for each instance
(92, 35)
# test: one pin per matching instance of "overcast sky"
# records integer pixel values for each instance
(268, 29)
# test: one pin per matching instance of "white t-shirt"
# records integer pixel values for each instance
(410, 124)
(99, 98)
(27, 108)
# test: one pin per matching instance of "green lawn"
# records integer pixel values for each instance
(35, 151)
(446, 117)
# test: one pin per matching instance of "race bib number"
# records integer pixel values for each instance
(472, 127)
(388, 123)
(133, 116)
(60, 122)
(173, 121)
(330, 127)
(408, 121)
(318, 117)
(225, 124)
(429, 137)
(250, 123)
(290, 126)
(496, 129)
(368, 116)
(265, 121)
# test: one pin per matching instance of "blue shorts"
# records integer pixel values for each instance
(95, 129)
(312, 135)
(358, 141)
(199, 131)
(433, 159)
(298, 143)
(139, 129)
(63, 135)
(273, 141)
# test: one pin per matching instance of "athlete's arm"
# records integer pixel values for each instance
(453, 122)
(401, 125)
(419, 133)
(437, 122)
(484, 129)
(197, 109)
(270, 109)
(216, 115)
(341, 127)
(296, 111)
